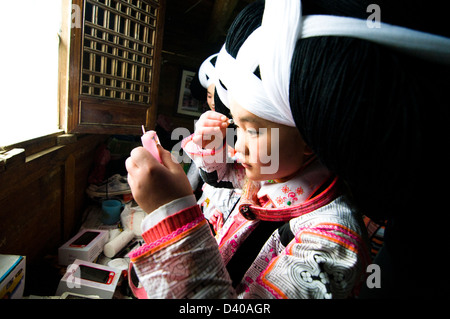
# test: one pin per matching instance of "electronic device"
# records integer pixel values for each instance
(97, 275)
(86, 245)
(91, 279)
(85, 239)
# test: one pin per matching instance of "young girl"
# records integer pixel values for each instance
(206, 76)
(291, 235)
(218, 198)
(370, 102)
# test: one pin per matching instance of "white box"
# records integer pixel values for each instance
(86, 245)
(90, 279)
(12, 276)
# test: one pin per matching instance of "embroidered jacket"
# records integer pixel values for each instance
(298, 239)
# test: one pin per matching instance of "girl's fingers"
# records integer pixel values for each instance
(210, 127)
(213, 115)
(211, 118)
(211, 123)
(209, 130)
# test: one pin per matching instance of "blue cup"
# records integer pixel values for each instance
(111, 211)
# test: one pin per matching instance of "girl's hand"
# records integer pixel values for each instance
(210, 130)
(154, 184)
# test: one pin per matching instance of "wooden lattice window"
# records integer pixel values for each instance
(114, 66)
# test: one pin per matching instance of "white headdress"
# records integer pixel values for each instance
(206, 73)
(271, 46)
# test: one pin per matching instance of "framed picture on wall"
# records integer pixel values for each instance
(187, 104)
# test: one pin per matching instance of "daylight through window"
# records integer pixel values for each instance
(29, 69)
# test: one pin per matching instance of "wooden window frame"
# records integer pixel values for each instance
(84, 112)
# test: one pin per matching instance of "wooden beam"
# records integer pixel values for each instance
(221, 13)
(11, 158)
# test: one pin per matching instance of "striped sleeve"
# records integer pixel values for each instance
(181, 259)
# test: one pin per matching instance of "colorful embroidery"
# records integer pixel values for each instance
(280, 200)
(285, 189)
(151, 248)
(289, 200)
(318, 272)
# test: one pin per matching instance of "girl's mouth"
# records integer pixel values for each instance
(245, 165)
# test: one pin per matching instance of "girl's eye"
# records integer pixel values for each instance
(253, 132)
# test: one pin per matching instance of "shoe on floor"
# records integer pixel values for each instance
(113, 186)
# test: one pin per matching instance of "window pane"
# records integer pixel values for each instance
(29, 69)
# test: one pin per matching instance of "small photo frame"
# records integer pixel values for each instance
(187, 104)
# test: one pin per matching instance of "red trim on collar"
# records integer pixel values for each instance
(252, 212)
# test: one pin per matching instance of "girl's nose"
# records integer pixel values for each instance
(240, 145)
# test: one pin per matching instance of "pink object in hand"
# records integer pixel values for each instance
(149, 141)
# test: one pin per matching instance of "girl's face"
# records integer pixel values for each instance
(266, 149)
(210, 96)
